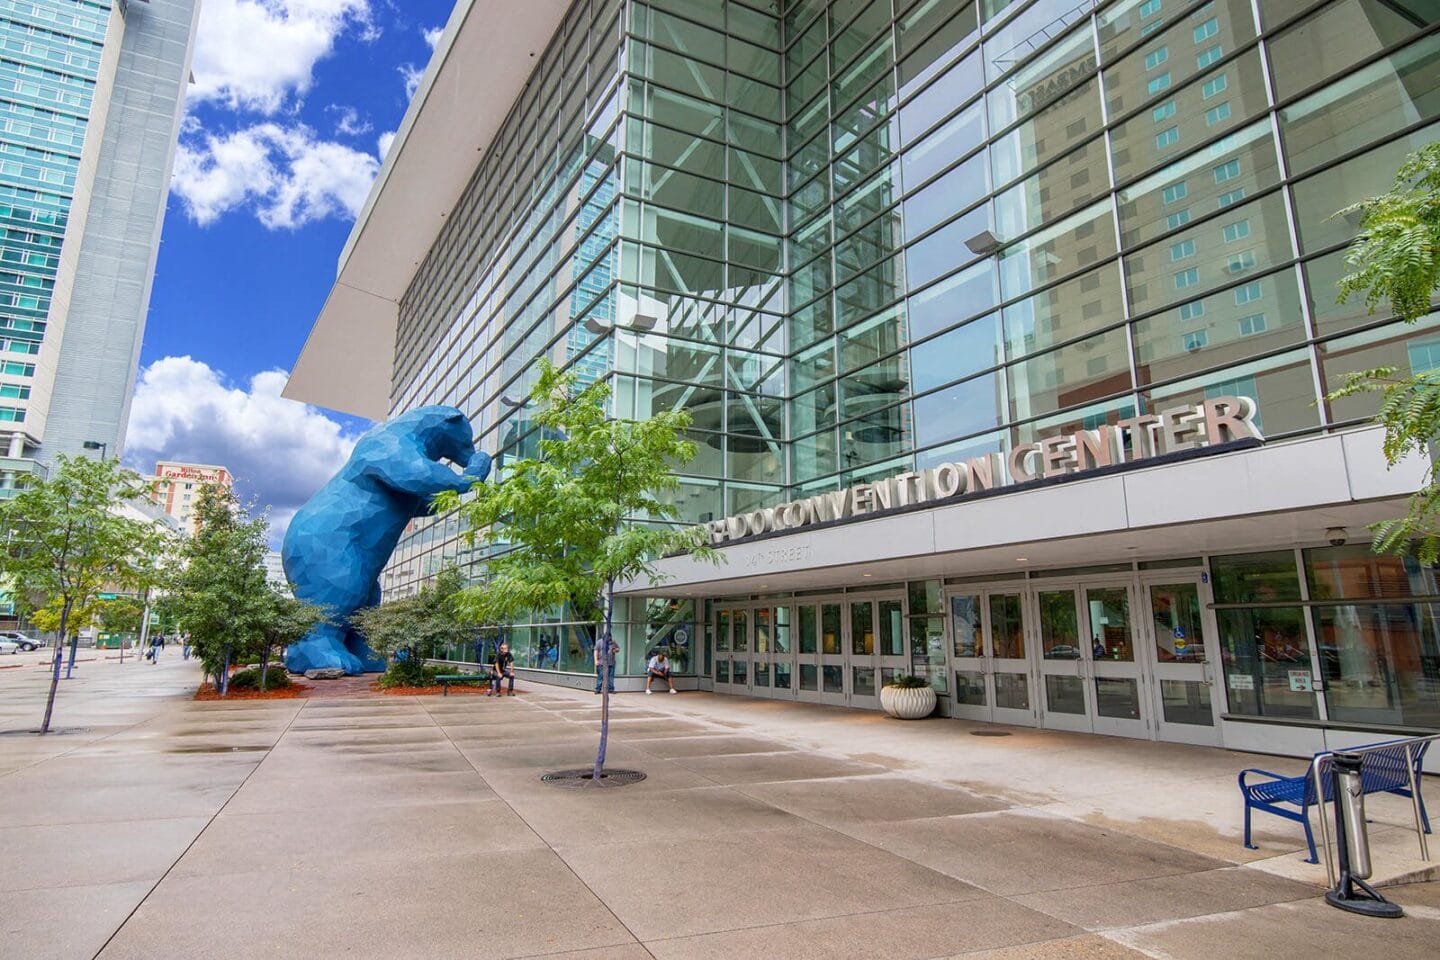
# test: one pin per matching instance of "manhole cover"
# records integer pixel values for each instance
(585, 777)
(989, 733)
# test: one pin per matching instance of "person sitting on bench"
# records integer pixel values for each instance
(501, 669)
(659, 666)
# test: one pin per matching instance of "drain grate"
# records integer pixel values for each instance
(585, 777)
(989, 733)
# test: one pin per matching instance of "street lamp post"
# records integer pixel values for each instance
(100, 445)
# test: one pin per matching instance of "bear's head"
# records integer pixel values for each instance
(443, 432)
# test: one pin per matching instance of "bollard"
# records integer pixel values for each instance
(1352, 842)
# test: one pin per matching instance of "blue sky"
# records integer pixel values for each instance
(285, 123)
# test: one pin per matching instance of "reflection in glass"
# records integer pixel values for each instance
(892, 634)
(862, 629)
(1117, 697)
(830, 628)
(1109, 610)
(722, 631)
(808, 629)
(722, 671)
(762, 630)
(1059, 633)
(965, 621)
(864, 682)
(834, 678)
(927, 650)
(740, 639)
(1065, 695)
(809, 677)
(762, 673)
(1012, 691)
(970, 688)
(1007, 627)
(782, 630)
(782, 676)
(1381, 662)
(738, 671)
(1179, 629)
(1186, 701)
(1266, 662)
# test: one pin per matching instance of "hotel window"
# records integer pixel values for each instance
(1249, 293)
(1424, 356)
(12, 415)
(1156, 57)
(1217, 114)
(1181, 250)
(1157, 84)
(1176, 191)
(1226, 171)
(1212, 87)
(1207, 30)
(1208, 57)
(1226, 199)
(1177, 219)
(1163, 112)
(1193, 310)
(1194, 340)
(1236, 231)
(1253, 324)
(1167, 137)
(1240, 262)
(1187, 278)
(1149, 8)
(14, 391)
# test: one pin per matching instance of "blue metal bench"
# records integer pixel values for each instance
(1385, 771)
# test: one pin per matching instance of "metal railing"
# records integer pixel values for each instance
(1319, 770)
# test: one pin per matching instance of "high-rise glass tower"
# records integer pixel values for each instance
(91, 95)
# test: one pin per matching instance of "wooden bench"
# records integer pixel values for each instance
(446, 679)
(1385, 771)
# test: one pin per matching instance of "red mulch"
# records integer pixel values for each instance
(456, 690)
(295, 691)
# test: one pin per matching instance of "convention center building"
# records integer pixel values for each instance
(1008, 330)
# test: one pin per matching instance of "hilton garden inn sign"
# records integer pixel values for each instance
(1190, 426)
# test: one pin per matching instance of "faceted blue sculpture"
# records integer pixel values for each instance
(341, 539)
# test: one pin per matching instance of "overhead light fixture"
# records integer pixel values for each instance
(867, 574)
(983, 242)
(1022, 559)
(642, 321)
(595, 325)
(510, 401)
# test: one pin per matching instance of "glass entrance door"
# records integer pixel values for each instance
(1115, 676)
(732, 650)
(779, 659)
(1182, 690)
(993, 675)
(832, 654)
(1063, 693)
(763, 639)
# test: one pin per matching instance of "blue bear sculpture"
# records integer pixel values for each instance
(342, 537)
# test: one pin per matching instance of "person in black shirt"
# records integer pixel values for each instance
(501, 667)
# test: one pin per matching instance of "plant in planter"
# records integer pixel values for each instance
(908, 697)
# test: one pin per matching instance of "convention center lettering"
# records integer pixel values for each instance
(1189, 426)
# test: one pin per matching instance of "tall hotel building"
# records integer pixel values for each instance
(91, 95)
(1007, 329)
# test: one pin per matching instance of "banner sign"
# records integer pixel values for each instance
(1134, 440)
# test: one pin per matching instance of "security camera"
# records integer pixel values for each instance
(1336, 536)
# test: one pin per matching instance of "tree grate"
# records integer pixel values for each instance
(989, 733)
(585, 777)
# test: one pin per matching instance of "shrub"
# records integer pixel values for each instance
(907, 681)
(249, 678)
(410, 673)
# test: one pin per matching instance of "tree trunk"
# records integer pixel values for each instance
(74, 643)
(55, 673)
(224, 685)
(264, 667)
(607, 673)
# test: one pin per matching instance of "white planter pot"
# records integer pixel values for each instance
(907, 703)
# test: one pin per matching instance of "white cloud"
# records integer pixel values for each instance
(287, 176)
(432, 35)
(349, 122)
(254, 54)
(411, 74)
(383, 143)
(280, 451)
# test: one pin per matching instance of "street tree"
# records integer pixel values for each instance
(67, 541)
(416, 625)
(283, 620)
(591, 509)
(1395, 259)
(217, 590)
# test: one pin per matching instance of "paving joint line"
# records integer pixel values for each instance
(548, 846)
(195, 839)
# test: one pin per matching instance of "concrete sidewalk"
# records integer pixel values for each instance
(418, 827)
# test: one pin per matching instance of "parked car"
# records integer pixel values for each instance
(25, 642)
(9, 646)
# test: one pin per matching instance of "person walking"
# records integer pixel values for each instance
(501, 667)
(155, 644)
(605, 659)
(658, 667)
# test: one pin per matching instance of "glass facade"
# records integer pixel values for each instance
(858, 237)
(49, 62)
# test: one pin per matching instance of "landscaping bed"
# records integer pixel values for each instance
(293, 691)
